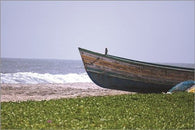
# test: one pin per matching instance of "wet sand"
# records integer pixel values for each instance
(38, 92)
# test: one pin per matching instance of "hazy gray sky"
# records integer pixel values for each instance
(149, 31)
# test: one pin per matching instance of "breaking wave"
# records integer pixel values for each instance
(36, 78)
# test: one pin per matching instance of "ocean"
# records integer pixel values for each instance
(36, 71)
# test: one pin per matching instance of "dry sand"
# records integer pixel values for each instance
(38, 92)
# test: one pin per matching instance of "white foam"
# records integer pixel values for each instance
(35, 78)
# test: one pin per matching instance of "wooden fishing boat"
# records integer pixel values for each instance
(124, 74)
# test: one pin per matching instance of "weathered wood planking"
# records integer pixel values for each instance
(102, 69)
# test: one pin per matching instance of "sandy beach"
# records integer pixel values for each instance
(38, 92)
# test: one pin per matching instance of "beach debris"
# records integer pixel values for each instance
(191, 89)
(183, 86)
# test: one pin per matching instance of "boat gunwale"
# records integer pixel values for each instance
(138, 62)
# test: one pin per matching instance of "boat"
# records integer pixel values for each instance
(119, 73)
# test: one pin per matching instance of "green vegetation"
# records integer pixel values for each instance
(156, 111)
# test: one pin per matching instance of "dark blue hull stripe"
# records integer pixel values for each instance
(107, 81)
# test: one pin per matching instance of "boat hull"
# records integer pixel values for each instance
(124, 74)
(111, 82)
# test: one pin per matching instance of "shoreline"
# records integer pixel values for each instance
(38, 92)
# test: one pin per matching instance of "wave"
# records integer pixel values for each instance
(36, 78)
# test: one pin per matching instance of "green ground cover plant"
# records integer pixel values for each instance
(137, 111)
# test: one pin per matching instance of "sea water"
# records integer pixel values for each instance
(35, 71)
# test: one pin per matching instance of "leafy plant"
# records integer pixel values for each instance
(138, 111)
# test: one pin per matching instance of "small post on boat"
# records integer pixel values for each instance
(106, 51)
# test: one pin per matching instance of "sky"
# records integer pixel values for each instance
(161, 31)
